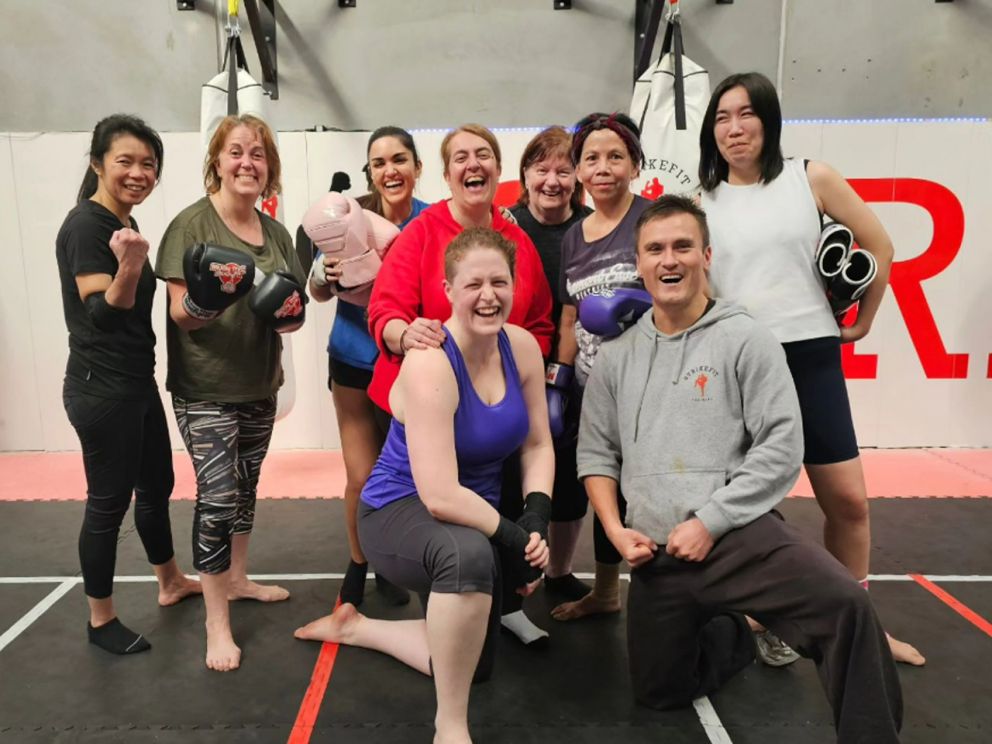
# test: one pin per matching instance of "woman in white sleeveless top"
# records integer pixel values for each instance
(765, 215)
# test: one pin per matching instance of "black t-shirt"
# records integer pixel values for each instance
(547, 239)
(109, 364)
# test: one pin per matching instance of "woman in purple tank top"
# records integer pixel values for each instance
(428, 518)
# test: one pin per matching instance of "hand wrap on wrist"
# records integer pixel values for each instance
(513, 539)
(537, 514)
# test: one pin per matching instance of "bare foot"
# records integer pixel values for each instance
(223, 654)
(588, 605)
(177, 590)
(338, 627)
(260, 593)
(459, 735)
(754, 625)
(904, 653)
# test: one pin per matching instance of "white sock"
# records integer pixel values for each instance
(521, 626)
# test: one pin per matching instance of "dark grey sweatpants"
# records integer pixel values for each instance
(414, 550)
(686, 636)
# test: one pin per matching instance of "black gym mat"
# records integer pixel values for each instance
(54, 687)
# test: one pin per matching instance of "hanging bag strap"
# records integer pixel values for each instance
(675, 29)
(670, 44)
(650, 34)
(234, 57)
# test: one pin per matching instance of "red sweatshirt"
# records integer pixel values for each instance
(409, 285)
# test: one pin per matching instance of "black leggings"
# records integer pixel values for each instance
(511, 506)
(126, 449)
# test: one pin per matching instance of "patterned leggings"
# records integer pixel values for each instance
(227, 443)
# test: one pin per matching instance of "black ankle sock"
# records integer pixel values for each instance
(567, 586)
(117, 638)
(395, 595)
(353, 586)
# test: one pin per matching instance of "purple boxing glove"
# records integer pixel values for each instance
(611, 315)
(558, 378)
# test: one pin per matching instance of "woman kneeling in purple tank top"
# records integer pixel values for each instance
(428, 519)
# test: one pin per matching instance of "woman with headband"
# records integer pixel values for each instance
(598, 257)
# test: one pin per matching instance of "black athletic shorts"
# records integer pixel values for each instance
(347, 375)
(828, 429)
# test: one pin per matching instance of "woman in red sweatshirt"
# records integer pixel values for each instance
(408, 301)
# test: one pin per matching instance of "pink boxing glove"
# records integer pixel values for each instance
(340, 230)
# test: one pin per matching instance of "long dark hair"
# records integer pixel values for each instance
(104, 134)
(764, 102)
(372, 201)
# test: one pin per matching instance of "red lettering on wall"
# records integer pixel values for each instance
(907, 276)
(271, 205)
(507, 193)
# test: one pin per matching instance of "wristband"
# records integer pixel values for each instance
(537, 514)
(402, 350)
(513, 539)
(195, 311)
(539, 504)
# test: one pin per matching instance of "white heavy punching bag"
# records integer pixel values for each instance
(669, 102)
(234, 91)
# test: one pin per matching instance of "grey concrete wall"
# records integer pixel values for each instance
(434, 63)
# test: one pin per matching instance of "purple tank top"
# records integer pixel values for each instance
(484, 436)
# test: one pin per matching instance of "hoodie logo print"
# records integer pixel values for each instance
(702, 377)
(701, 384)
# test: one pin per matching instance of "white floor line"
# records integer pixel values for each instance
(712, 724)
(871, 577)
(148, 578)
(37, 611)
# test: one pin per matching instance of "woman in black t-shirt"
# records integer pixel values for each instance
(550, 203)
(109, 391)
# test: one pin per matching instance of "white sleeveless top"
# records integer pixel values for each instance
(764, 239)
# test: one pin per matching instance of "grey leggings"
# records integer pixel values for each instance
(227, 443)
(420, 553)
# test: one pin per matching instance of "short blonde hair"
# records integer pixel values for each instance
(473, 238)
(211, 180)
(479, 131)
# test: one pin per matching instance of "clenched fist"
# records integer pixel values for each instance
(129, 246)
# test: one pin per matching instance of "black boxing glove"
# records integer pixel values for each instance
(216, 277)
(279, 300)
(537, 514)
(514, 538)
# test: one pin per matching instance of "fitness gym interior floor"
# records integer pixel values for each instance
(931, 574)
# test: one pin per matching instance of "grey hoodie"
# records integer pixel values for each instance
(705, 423)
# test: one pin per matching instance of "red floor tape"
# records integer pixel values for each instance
(963, 610)
(314, 696)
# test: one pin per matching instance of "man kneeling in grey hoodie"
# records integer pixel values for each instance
(693, 413)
